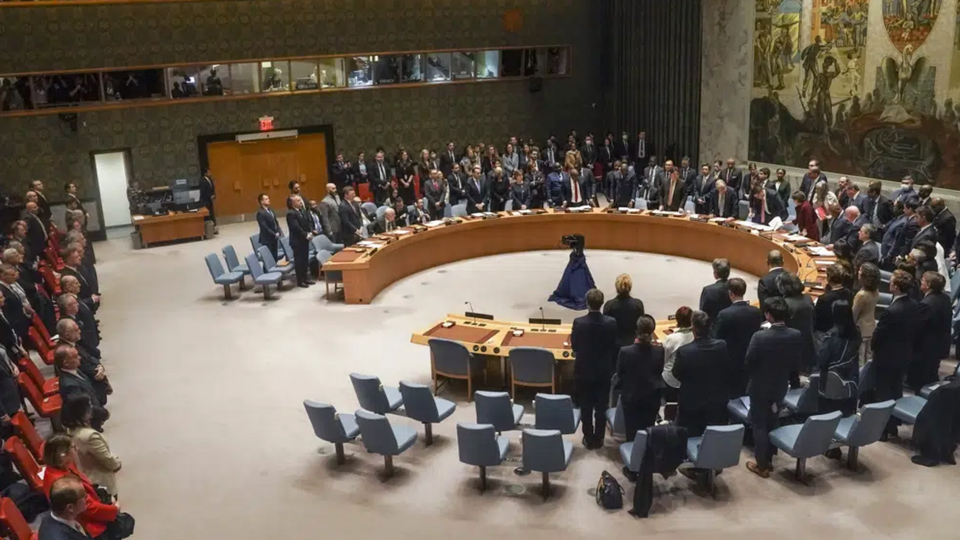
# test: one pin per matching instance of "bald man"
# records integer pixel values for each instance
(848, 227)
(72, 308)
(44, 206)
(330, 213)
(36, 231)
(73, 380)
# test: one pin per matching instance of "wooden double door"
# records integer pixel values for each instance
(243, 171)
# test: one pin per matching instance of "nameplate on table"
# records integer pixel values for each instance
(399, 232)
(436, 223)
(795, 238)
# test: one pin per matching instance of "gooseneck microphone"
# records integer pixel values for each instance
(472, 311)
(543, 320)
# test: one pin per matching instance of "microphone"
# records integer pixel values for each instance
(543, 322)
(472, 311)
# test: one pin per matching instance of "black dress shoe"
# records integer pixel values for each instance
(311, 282)
(302, 285)
(587, 443)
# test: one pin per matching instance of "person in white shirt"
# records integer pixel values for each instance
(681, 335)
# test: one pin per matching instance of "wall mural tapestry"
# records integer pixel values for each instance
(813, 96)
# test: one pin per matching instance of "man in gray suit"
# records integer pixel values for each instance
(330, 213)
(869, 251)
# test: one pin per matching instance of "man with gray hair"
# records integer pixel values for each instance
(90, 367)
(89, 326)
(72, 380)
(869, 249)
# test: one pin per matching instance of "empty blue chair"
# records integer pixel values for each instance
(221, 277)
(451, 360)
(717, 449)
(863, 429)
(632, 452)
(908, 408)
(545, 451)
(329, 276)
(739, 409)
(255, 243)
(496, 409)
(270, 264)
(615, 420)
(803, 441)
(458, 210)
(233, 263)
(321, 242)
(373, 396)
(532, 366)
(421, 406)
(928, 389)
(369, 208)
(804, 400)
(481, 446)
(867, 382)
(265, 280)
(331, 426)
(286, 248)
(381, 211)
(555, 411)
(380, 437)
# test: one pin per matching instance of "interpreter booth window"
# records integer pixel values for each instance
(436, 67)
(305, 75)
(275, 76)
(511, 62)
(245, 78)
(463, 65)
(16, 94)
(386, 69)
(488, 64)
(534, 62)
(134, 84)
(557, 60)
(66, 89)
(332, 73)
(359, 71)
(411, 69)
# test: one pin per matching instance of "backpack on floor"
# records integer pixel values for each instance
(609, 492)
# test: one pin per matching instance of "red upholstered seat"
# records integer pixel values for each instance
(28, 467)
(48, 387)
(38, 344)
(47, 407)
(37, 323)
(16, 526)
(363, 191)
(28, 434)
(50, 282)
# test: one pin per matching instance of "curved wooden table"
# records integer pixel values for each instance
(366, 272)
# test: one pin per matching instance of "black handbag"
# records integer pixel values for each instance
(121, 528)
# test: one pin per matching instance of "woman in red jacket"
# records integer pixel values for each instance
(806, 219)
(61, 458)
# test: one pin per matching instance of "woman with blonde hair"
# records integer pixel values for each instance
(625, 309)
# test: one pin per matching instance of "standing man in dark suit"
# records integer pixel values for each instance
(732, 176)
(67, 501)
(624, 185)
(933, 336)
(44, 206)
(672, 190)
(447, 160)
(702, 191)
(877, 208)
(16, 307)
(478, 192)
(724, 202)
(771, 356)
(594, 343)
(270, 231)
(716, 296)
(90, 366)
(736, 325)
(649, 182)
(36, 239)
(927, 231)
(704, 371)
(811, 178)
(208, 194)
(379, 178)
(433, 192)
(9, 389)
(945, 223)
(330, 213)
(621, 148)
(72, 380)
(907, 231)
(688, 175)
(893, 342)
(642, 148)
(340, 172)
(301, 231)
(767, 286)
(869, 251)
(573, 190)
(351, 222)
(456, 190)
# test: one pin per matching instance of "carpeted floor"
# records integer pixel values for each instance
(209, 421)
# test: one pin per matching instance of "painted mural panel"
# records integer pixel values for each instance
(884, 119)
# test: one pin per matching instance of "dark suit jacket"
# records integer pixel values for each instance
(625, 310)
(842, 228)
(43, 208)
(933, 337)
(477, 195)
(884, 208)
(339, 174)
(888, 244)
(714, 298)
(869, 252)
(36, 238)
(350, 221)
(907, 232)
(895, 336)
(89, 329)
(70, 383)
(731, 204)
(13, 311)
(299, 227)
(702, 189)
(736, 325)
(773, 354)
(270, 231)
(520, 195)
(801, 319)
(930, 233)
(207, 190)
(623, 188)
(434, 194)
(456, 186)
(51, 529)
(9, 389)
(946, 225)
(679, 194)
(705, 372)
(566, 189)
(446, 162)
(640, 372)
(767, 286)
(594, 343)
(733, 178)
(379, 184)
(86, 289)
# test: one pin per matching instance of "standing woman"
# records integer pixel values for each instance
(499, 188)
(806, 220)
(468, 160)
(94, 456)
(572, 160)
(406, 175)
(639, 379)
(840, 356)
(865, 307)
(489, 159)
(823, 199)
(625, 309)
(510, 161)
(523, 157)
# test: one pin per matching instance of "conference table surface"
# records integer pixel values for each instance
(384, 259)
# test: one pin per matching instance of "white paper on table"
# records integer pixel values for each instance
(718, 219)
(623, 209)
(399, 232)
(435, 223)
(821, 251)
(776, 223)
(526, 212)
(137, 218)
(489, 214)
(825, 263)
(477, 214)
(515, 214)
(796, 238)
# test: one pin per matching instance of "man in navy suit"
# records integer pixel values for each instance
(716, 296)
(68, 500)
(894, 342)
(724, 201)
(594, 343)
(72, 380)
(270, 231)
(736, 325)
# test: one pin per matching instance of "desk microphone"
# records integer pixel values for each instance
(543, 320)
(472, 311)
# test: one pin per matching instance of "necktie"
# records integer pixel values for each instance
(383, 174)
(576, 190)
(673, 185)
(763, 211)
(721, 205)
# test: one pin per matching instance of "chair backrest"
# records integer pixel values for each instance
(508, 206)
(254, 265)
(13, 520)
(323, 256)
(28, 434)
(837, 388)
(478, 444)
(543, 450)
(555, 411)
(884, 299)
(458, 210)
(32, 391)
(720, 447)
(26, 465)
(955, 286)
(317, 243)
(325, 421)
(377, 434)
(640, 204)
(810, 397)
(255, 242)
(866, 378)
(619, 424)
(322, 242)
(267, 257)
(369, 207)
(33, 336)
(230, 255)
(419, 403)
(494, 408)
(448, 211)
(816, 435)
(287, 249)
(381, 211)
(449, 357)
(27, 366)
(869, 426)
(213, 264)
(370, 393)
(638, 451)
(37, 323)
(532, 365)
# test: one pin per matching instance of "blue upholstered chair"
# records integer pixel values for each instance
(928, 389)
(496, 409)
(632, 452)
(286, 248)
(804, 400)
(615, 420)
(233, 263)
(908, 408)
(451, 360)
(458, 210)
(380, 437)
(265, 280)
(369, 207)
(322, 243)
(863, 429)
(717, 449)
(738, 410)
(555, 411)
(330, 426)
(545, 451)
(373, 396)
(838, 388)
(866, 380)
(270, 265)
(421, 406)
(221, 277)
(255, 243)
(532, 366)
(481, 446)
(806, 440)
(329, 276)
